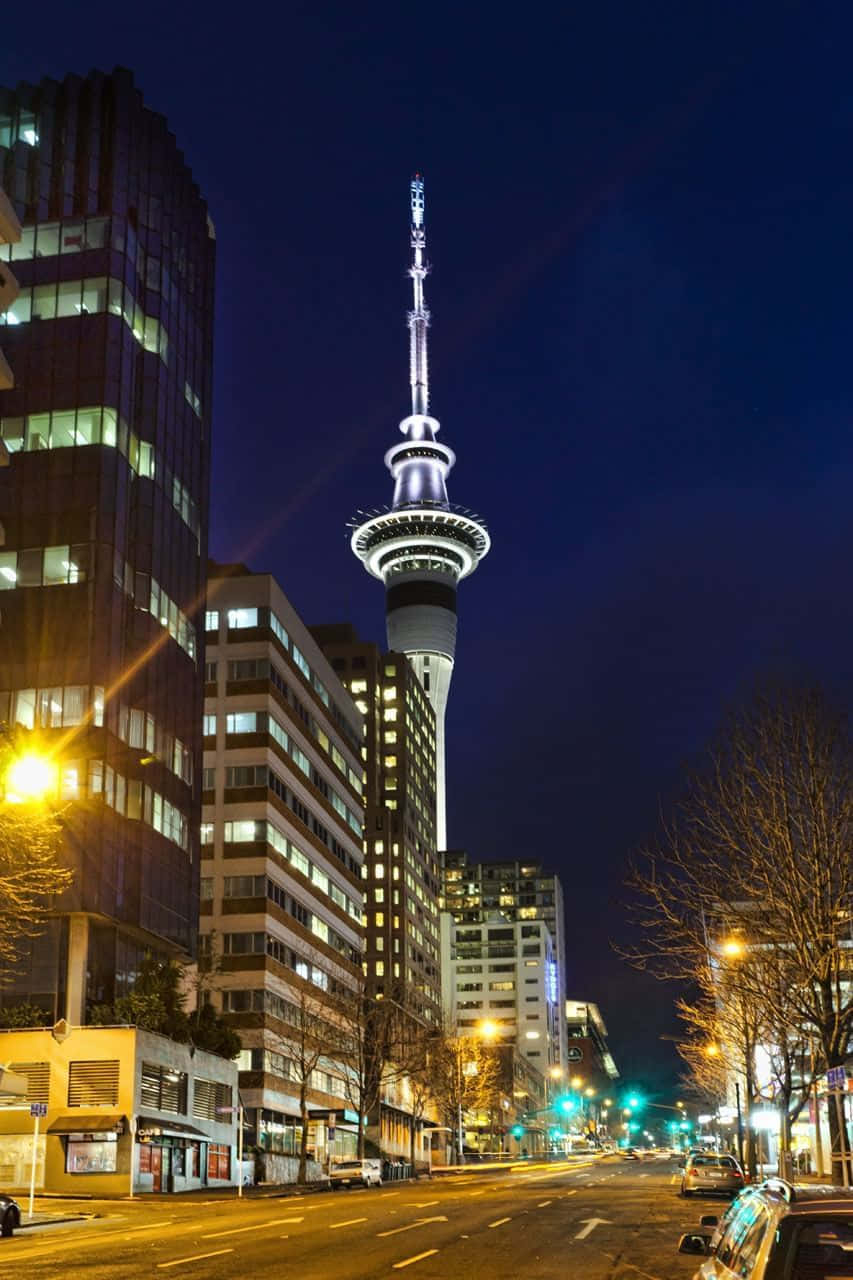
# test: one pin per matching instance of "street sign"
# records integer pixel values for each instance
(836, 1078)
(574, 1054)
(38, 1109)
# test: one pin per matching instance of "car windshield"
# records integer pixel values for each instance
(724, 1162)
(825, 1251)
(347, 1164)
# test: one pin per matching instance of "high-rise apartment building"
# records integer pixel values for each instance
(103, 510)
(281, 889)
(401, 870)
(422, 546)
(503, 952)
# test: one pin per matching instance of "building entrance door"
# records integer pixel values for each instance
(157, 1168)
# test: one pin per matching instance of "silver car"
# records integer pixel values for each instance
(707, 1171)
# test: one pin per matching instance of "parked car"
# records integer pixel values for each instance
(778, 1229)
(363, 1173)
(707, 1171)
(630, 1153)
(10, 1215)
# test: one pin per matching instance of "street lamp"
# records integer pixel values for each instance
(30, 778)
(732, 948)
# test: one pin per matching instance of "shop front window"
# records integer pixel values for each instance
(90, 1153)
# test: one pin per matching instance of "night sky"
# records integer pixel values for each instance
(640, 218)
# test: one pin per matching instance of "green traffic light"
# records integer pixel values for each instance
(517, 1131)
(566, 1104)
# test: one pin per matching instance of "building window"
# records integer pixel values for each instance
(93, 1083)
(218, 1162)
(90, 1153)
(241, 618)
(211, 1100)
(163, 1088)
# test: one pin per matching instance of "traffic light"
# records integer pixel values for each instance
(517, 1130)
(685, 1124)
(566, 1105)
(633, 1101)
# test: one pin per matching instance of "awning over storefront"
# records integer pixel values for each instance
(169, 1129)
(87, 1124)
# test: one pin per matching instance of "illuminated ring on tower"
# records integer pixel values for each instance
(424, 532)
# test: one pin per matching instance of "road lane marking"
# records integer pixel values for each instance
(566, 1194)
(410, 1226)
(258, 1226)
(591, 1224)
(500, 1222)
(407, 1262)
(386, 1194)
(350, 1222)
(196, 1257)
(149, 1226)
(476, 1193)
(424, 1204)
(542, 1203)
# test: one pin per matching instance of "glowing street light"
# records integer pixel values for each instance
(30, 778)
(577, 1082)
(712, 1050)
(487, 1029)
(733, 948)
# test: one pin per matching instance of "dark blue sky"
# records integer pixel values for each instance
(640, 218)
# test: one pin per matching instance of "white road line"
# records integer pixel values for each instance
(407, 1262)
(149, 1226)
(500, 1222)
(386, 1194)
(569, 1193)
(350, 1222)
(424, 1204)
(196, 1257)
(542, 1203)
(476, 1193)
(258, 1226)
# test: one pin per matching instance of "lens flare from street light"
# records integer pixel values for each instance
(577, 1081)
(555, 1073)
(732, 947)
(487, 1029)
(712, 1050)
(29, 778)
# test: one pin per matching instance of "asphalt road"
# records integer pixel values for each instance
(606, 1220)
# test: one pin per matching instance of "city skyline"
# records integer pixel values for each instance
(646, 378)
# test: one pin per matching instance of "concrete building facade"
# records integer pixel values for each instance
(503, 951)
(125, 1108)
(10, 233)
(281, 887)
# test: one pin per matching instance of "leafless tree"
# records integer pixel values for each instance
(751, 879)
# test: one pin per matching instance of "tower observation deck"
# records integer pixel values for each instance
(422, 545)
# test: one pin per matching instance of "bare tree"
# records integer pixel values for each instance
(465, 1076)
(368, 1045)
(753, 875)
(32, 873)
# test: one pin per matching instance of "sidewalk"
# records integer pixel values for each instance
(51, 1218)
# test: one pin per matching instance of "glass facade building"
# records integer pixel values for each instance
(103, 515)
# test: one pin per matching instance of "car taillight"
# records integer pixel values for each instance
(737, 1174)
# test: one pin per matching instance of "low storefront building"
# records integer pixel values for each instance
(117, 1108)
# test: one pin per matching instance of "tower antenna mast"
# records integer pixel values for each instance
(419, 315)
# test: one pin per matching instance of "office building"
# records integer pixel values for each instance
(503, 951)
(10, 233)
(104, 516)
(422, 545)
(281, 889)
(402, 875)
(588, 1053)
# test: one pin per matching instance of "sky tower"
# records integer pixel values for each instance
(422, 545)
